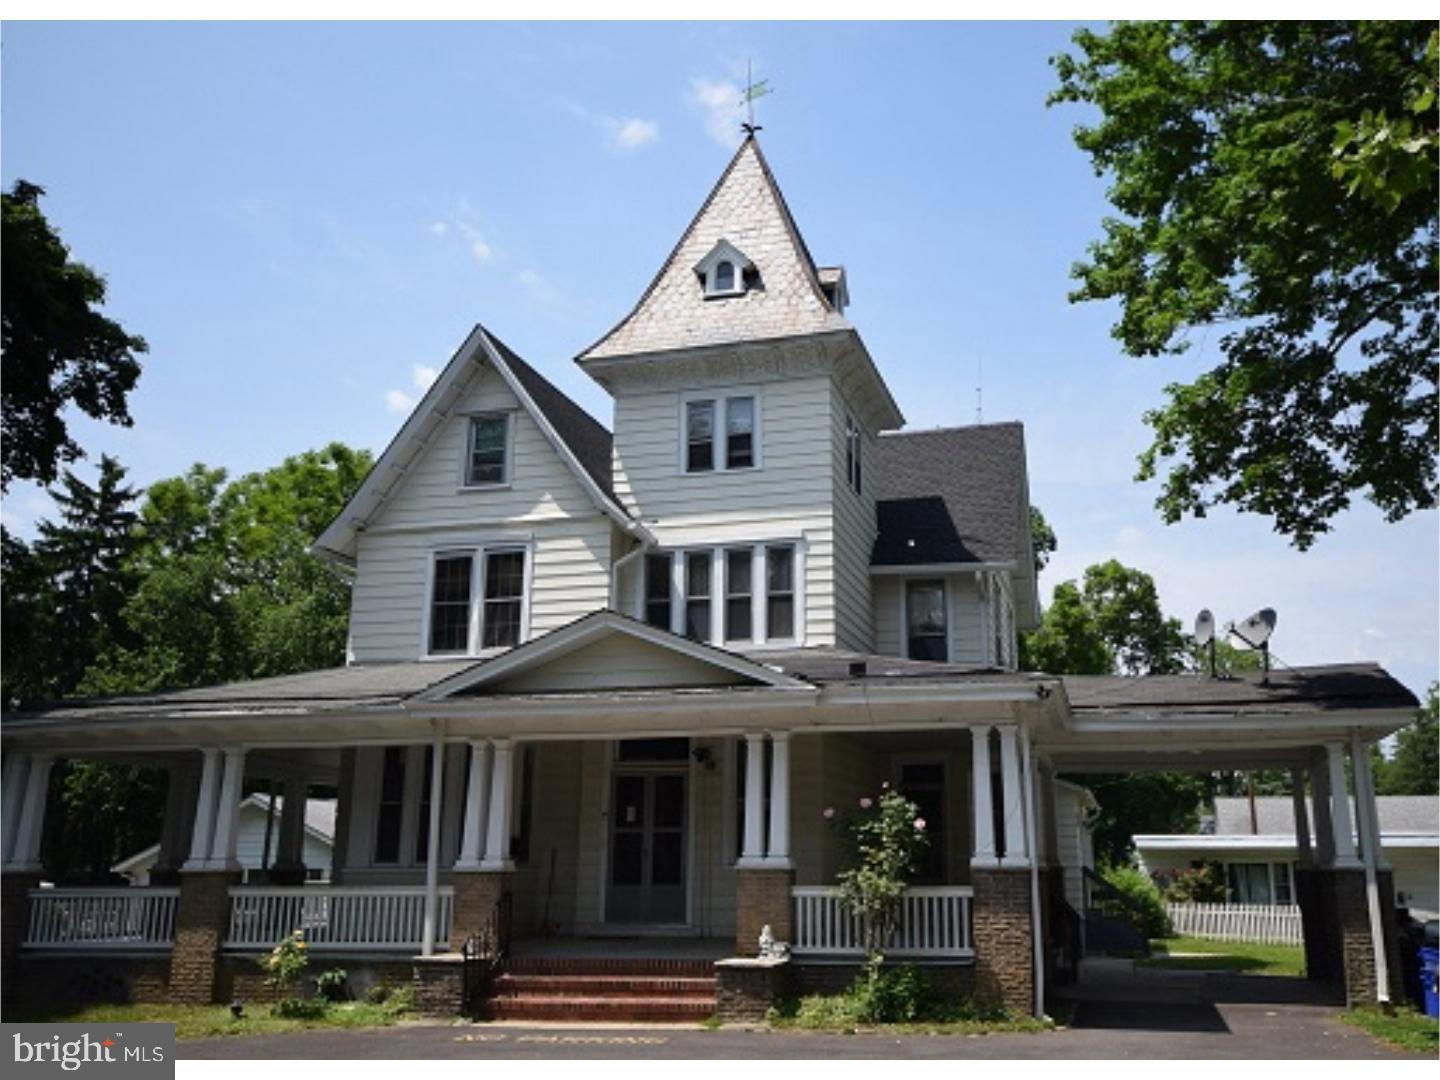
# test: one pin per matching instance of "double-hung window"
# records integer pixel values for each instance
(720, 434)
(780, 592)
(390, 808)
(925, 620)
(477, 601)
(853, 445)
(658, 583)
(486, 461)
(739, 594)
(697, 595)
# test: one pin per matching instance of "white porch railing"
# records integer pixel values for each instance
(336, 918)
(1264, 924)
(934, 923)
(83, 919)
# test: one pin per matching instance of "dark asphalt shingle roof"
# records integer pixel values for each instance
(588, 439)
(952, 495)
(1305, 689)
(826, 665)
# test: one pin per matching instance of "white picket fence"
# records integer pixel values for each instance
(105, 919)
(934, 923)
(1263, 924)
(337, 919)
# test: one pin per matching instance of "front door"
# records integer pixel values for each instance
(647, 846)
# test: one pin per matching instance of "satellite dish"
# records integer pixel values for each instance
(1204, 627)
(1256, 630)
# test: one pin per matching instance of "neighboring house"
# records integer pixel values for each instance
(609, 681)
(1075, 810)
(1259, 854)
(253, 850)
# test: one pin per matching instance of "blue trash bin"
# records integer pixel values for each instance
(1429, 972)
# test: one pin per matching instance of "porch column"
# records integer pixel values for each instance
(13, 784)
(983, 798)
(227, 812)
(204, 827)
(477, 796)
(289, 865)
(497, 840)
(26, 853)
(778, 854)
(752, 852)
(432, 849)
(1012, 797)
(1324, 827)
(175, 831)
(1340, 806)
(1302, 818)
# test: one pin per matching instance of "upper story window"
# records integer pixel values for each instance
(720, 433)
(476, 596)
(487, 461)
(925, 622)
(724, 271)
(724, 595)
(853, 444)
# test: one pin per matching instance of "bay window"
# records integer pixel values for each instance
(658, 583)
(697, 595)
(739, 599)
(780, 592)
(746, 594)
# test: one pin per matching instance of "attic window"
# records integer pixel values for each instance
(724, 276)
(725, 271)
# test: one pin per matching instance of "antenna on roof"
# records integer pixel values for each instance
(753, 90)
(979, 388)
(1205, 635)
(1254, 633)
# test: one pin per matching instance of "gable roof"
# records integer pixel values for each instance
(951, 495)
(581, 441)
(746, 209)
(585, 631)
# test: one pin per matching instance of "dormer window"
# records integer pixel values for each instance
(725, 271)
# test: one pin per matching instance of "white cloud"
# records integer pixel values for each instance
(537, 285)
(634, 133)
(422, 375)
(438, 228)
(402, 401)
(465, 225)
(480, 248)
(397, 401)
(719, 103)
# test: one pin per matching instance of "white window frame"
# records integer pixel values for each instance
(759, 591)
(477, 554)
(721, 400)
(854, 455)
(508, 415)
(905, 614)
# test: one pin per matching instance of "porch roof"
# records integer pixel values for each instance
(1303, 690)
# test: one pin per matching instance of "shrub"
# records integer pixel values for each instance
(1196, 885)
(285, 965)
(299, 1009)
(1146, 905)
(333, 985)
(377, 994)
(886, 836)
(401, 999)
(897, 995)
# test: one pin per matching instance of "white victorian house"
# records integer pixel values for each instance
(602, 684)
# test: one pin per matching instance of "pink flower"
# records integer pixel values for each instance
(866, 803)
(919, 824)
(829, 812)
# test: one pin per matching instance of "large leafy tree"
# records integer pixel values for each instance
(1275, 184)
(58, 350)
(1069, 640)
(1415, 768)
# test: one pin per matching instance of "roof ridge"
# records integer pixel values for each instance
(950, 428)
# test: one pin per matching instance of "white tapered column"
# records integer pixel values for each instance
(497, 837)
(13, 785)
(431, 913)
(1302, 818)
(32, 813)
(1366, 813)
(778, 854)
(204, 828)
(1012, 797)
(227, 813)
(983, 800)
(477, 799)
(752, 852)
(1340, 806)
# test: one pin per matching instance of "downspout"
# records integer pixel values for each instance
(1370, 842)
(432, 845)
(1037, 950)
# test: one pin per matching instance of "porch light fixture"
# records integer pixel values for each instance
(704, 758)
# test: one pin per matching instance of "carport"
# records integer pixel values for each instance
(1316, 723)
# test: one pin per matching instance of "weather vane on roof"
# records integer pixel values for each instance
(753, 90)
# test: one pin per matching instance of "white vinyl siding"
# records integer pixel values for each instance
(854, 533)
(968, 640)
(787, 496)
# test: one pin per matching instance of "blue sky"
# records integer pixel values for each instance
(304, 221)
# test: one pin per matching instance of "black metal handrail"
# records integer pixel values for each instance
(484, 954)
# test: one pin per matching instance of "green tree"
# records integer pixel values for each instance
(1141, 803)
(1415, 768)
(58, 350)
(1127, 613)
(27, 611)
(1276, 180)
(1070, 640)
(1042, 539)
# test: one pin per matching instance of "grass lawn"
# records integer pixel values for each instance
(213, 1021)
(1406, 1030)
(1202, 954)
